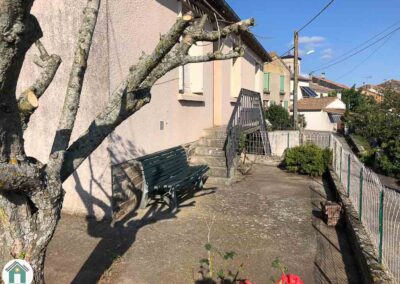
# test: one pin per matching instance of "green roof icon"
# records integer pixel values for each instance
(17, 273)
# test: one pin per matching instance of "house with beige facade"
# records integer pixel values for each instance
(184, 102)
(276, 82)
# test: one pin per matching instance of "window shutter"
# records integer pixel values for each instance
(282, 83)
(266, 81)
(181, 78)
(186, 79)
(286, 105)
(197, 70)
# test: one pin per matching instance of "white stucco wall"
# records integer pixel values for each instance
(337, 104)
(318, 120)
(281, 140)
(60, 21)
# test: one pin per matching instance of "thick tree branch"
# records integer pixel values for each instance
(28, 100)
(167, 42)
(77, 75)
(236, 28)
(18, 31)
(124, 102)
(19, 177)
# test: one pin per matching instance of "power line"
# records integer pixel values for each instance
(360, 45)
(309, 22)
(365, 59)
(289, 50)
(357, 52)
(316, 16)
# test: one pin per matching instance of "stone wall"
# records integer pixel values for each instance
(371, 270)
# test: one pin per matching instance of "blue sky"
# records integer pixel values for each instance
(343, 26)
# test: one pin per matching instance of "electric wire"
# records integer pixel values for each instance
(316, 16)
(365, 59)
(361, 44)
(355, 53)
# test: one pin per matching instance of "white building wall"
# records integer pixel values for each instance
(318, 120)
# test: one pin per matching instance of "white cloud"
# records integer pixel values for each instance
(327, 53)
(310, 43)
(311, 40)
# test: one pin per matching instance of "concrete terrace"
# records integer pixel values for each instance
(268, 214)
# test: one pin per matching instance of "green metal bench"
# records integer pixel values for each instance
(168, 171)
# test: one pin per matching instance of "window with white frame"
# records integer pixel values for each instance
(191, 76)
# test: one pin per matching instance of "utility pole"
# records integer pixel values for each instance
(296, 78)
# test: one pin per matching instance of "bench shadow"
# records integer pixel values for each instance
(334, 262)
(116, 237)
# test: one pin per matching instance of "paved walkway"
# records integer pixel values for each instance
(267, 215)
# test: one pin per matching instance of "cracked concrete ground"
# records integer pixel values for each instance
(266, 215)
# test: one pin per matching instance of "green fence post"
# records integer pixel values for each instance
(381, 200)
(348, 174)
(361, 194)
(341, 162)
(288, 140)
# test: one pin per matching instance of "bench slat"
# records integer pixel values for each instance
(193, 174)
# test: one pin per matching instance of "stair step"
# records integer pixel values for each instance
(218, 130)
(208, 160)
(217, 172)
(209, 151)
(212, 142)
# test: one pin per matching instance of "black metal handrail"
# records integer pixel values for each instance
(247, 117)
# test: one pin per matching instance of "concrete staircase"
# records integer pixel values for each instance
(209, 150)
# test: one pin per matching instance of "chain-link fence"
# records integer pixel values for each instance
(378, 207)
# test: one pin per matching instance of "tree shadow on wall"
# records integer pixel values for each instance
(117, 236)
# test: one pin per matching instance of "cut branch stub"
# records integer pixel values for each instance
(28, 102)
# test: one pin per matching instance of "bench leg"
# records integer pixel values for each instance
(174, 201)
(145, 198)
(202, 181)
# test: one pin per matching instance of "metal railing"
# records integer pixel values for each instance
(378, 207)
(247, 117)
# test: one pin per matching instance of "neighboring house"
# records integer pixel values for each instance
(372, 91)
(184, 102)
(276, 82)
(324, 87)
(322, 114)
(390, 84)
(303, 89)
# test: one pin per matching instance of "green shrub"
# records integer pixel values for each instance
(307, 159)
(279, 117)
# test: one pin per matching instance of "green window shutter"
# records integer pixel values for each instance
(286, 105)
(266, 81)
(282, 83)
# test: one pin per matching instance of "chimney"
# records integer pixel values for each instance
(323, 75)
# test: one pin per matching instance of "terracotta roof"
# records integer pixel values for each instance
(301, 78)
(314, 103)
(289, 56)
(320, 89)
(223, 8)
(391, 84)
(317, 79)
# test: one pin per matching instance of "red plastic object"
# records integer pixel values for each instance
(245, 282)
(290, 279)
